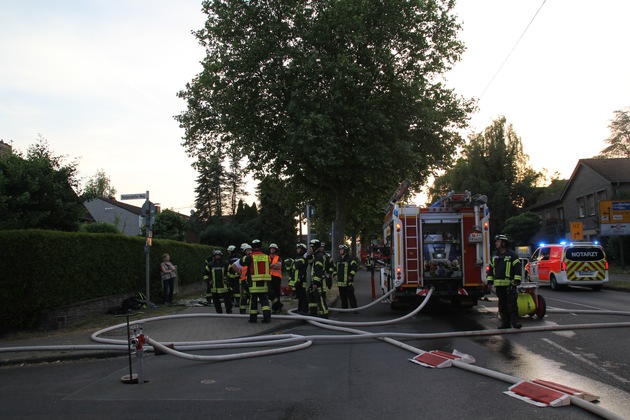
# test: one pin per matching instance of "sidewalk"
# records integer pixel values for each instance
(176, 329)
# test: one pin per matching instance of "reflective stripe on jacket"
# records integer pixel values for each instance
(345, 269)
(504, 269)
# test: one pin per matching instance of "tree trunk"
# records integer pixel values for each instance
(341, 214)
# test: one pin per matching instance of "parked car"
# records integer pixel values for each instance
(576, 264)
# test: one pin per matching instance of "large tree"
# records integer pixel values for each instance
(493, 164)
(619, 139)
(211, 188)
(313, 91)
(36, 191)
(99, 185)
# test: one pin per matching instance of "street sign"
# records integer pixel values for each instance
(148, 212)
(309, 212)
(576, 231)
(614, 218)
(140, 196)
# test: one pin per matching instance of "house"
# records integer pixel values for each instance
(127, 218)
(592, 181)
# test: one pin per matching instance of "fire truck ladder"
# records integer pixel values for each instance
(412, 250)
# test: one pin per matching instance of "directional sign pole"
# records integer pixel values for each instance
(147, 247)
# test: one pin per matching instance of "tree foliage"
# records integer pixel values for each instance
(169, 224)
(493, 163)
(99, 185)
(36, 191)
(619, 139)
(277, 216)
(313, 91)
(210, 189)
(523, 227)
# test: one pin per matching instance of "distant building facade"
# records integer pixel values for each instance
(128, 219)
(592, 181)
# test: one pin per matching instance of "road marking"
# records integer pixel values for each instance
(585, 360)
(576, 304)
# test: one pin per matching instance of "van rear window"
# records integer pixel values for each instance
(584, 254)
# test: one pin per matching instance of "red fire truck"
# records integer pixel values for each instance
(445, 247)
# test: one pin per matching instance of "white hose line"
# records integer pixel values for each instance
(578, 402)
(587, 311)
(373, 323)
(226, 357)
(595, 409)
(360, 308)
(78, 347)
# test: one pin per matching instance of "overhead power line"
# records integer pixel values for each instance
(512, 50)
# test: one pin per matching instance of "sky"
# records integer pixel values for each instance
(98, 80)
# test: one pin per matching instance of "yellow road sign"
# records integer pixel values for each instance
(576, 231)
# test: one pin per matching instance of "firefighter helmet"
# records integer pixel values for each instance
(231, 248)
(273, 246)
(256, 243)
(245, 246)
(217, 252)
(503, 238)
(301, 245)
(343, 246)
(315, 243)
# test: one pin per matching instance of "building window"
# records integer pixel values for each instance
(560, 214)
(581, 208)
(590, 204)
(548, 215)
(601, 195)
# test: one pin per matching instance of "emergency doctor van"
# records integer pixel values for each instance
(576, 264)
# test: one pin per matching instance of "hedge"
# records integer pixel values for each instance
(41, 270)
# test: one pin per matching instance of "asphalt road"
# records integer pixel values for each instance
(345, 379)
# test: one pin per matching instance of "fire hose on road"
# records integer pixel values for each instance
(293, 342)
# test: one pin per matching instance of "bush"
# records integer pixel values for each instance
(42, 270)
(99, 227)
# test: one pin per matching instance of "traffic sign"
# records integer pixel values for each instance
(576, 231)
(148, 212)
(140, 196)
(614, 217)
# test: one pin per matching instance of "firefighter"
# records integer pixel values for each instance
(238, 267)
(316, 292)
(257, 278)
(298, 278)
(345, 270)
(234, 276)
(216, 276)
(505, 274)
(276, 279)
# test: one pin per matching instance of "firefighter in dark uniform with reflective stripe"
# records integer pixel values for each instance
(216, 276)
(257, 280)
(317, 299)
(345, 270)
(505, 274)
(298, 278)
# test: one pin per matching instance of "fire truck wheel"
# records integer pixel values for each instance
(554, 283)
(541, 307)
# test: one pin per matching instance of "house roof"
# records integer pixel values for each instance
(614, 170)
(124, 206)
